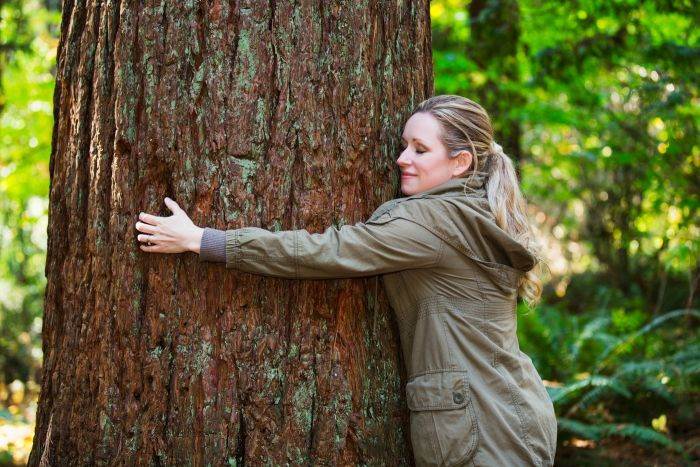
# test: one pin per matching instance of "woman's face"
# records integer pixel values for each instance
(424, 162)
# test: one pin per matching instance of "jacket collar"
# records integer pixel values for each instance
(475, 184)
(473, 187)
(468, 222)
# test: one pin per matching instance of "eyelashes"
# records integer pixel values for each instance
(403, 146)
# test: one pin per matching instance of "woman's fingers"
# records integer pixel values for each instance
(172, 205)
(146, 228)
(151, 219)
(146, 238)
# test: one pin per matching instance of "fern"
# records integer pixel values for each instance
(660, 390)
(687, 360)
(616, 367)
(602, 385)
(632, 337)
(590, 331)
(637, 433)
(580, 429)
(566, 392)
(650, 367)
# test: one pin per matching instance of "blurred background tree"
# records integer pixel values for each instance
(597, 102)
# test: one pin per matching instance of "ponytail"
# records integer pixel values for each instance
(509, 208)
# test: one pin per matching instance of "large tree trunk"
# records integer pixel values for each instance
(282, 116)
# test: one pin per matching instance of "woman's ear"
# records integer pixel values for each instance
(461, 163)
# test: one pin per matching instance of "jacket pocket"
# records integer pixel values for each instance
(444, 426)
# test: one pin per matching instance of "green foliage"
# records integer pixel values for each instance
(609, 124)
(621, 139)
(26, 125)
(612, 368)
(639, 434)
(605, 103)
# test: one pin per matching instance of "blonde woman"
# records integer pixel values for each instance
(455, 254)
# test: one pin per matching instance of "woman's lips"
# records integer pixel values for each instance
(407, 175)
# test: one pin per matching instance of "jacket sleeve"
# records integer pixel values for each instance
(362, 249)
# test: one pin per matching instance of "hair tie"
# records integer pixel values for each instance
(496, 148)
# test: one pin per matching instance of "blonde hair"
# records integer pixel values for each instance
(465, 125)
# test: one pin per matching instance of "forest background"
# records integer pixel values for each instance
(596, 101)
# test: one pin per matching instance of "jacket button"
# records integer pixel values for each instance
(458, 397)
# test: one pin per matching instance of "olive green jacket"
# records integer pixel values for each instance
(451, 275)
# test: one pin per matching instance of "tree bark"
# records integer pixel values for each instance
(284, 115)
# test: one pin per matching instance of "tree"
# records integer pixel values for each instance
(493, 46)
(282, 116)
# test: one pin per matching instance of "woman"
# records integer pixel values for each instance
(454, 255)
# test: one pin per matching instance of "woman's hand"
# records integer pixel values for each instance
(173, 234)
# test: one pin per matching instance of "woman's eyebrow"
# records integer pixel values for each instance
(415, 139)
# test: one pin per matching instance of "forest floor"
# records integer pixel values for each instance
(17, 430)
(616, 452)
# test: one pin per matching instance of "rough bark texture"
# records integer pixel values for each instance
(282, 115)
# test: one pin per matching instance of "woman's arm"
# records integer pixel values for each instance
(362, 249)
(377, 246)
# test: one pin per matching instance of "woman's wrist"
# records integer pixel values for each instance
(196, 241)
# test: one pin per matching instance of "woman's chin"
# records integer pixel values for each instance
(406, 189)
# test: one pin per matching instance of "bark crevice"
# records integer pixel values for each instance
(314, 394)
(240, 446)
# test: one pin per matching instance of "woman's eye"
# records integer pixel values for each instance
(404, 146)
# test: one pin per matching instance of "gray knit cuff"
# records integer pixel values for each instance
(213, 245)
